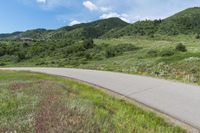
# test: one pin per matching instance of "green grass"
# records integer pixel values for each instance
(31, 102)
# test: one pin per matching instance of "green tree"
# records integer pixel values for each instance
(21, 56)
(88, 44)
(2, 51)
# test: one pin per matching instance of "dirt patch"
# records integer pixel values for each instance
(54, 115)
(47, 115)
(21, 86)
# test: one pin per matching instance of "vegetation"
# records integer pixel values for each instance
(180, 47)
(41, 103)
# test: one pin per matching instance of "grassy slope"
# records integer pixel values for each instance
(182, 66)
(31, 102)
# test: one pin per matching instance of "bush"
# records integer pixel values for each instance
(2, 64)
(180, 47)
(21, 56)
(197, 36)
(88, 44)
(112, 52)
(119, 49)
(167, 53)
(2, 51)
(152, 53)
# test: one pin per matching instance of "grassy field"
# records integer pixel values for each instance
(31, 102)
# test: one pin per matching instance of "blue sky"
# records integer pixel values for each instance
(20, 15)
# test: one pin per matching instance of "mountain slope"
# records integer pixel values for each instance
(139, 28)
(9, 35)
(184, 22)
(89, 30)
(33, 34)
(85, 30)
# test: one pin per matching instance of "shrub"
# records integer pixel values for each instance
(197, 36)
(21, 56)
(152, 53)
(2, 51)
(2, 64)
(88, 44)
(167, 53)
(180, 47)
(112, 52)
(119, 49)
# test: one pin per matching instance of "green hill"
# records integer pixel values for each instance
(85, 30)
(139, 28)
(184, 22)
(34, 34)
(9, 35)
(88, 30)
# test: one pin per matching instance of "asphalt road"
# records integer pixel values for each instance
(178, 100)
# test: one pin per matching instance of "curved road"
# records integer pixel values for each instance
(178, 100)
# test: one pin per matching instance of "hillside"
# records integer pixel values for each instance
(85, 30)
(139, 28)
(184, 22)
(9, 35)
(32, 34)
(88, 30)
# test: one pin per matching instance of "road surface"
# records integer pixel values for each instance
(178, 100)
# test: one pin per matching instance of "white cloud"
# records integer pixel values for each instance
(41, 1)
(53, 4)
(74, 22)
(105, 9)
(89, 5)
(123, 16)
(93, 7)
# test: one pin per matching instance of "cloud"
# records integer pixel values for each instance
(41, 1)
(123, 16)
(105, 9)
(74, 22)
(89, 5)
(54, 4)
